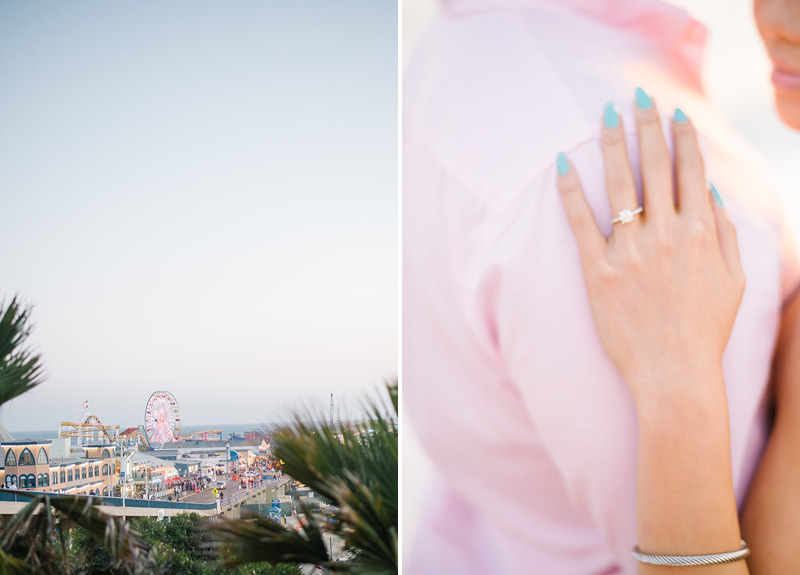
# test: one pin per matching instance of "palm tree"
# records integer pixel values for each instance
(354, 467)
(33, 541)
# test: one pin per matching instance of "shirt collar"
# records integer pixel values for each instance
(665, 25)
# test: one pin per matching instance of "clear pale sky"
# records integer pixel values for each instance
(201, 197)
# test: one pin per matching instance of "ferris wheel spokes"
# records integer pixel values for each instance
(162, 418)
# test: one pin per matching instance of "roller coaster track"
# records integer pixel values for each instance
(91, 428)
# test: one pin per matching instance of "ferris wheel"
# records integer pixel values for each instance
(162, 418)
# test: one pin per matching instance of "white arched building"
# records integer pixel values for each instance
(28, 465)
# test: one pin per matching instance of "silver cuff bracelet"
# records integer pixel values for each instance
(691, 560)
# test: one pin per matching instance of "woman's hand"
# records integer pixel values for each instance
(664, 288)
(664, 291)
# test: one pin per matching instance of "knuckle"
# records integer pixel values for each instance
(690, 168)
(732, 229)
(699, 232)
(648, 118)
(635, 261)
(663, 243)
(739, 282)
(617, 181)
(581, 220)
(612, 138)
(686, 149)
(733, 237)
(659, 169)
(605, 275)
(567, 186)
(658, 184)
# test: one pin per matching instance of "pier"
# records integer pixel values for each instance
(13, 501)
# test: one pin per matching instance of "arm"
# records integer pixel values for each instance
(685, 491)
(771, 513)
(664, 290)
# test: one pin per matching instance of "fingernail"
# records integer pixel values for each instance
(715, 194)
(679, 117)
(610, 116)
(643, 101)
(562, 164)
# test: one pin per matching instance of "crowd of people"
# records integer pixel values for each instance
(252, 474)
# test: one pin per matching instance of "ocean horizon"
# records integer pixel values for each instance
(226, 429)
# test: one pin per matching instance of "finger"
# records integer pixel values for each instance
(619, 179)
(693, 197)
(726, 233)
(591, 243)
(655, 160)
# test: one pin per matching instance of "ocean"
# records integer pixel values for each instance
(227, 430)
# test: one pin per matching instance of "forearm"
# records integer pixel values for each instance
(686, 502)
(771, 513)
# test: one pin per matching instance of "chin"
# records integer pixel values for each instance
(788, 110)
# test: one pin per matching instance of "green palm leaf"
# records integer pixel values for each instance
(261, 539)
(355, 467)
(20, 368)
(35, 535)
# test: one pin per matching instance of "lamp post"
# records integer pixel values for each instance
(125, 471)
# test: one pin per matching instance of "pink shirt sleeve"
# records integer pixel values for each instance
(579, 404)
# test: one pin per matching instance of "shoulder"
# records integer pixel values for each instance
(485, 100)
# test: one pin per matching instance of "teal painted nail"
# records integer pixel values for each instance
(643, 101)
(679, 117)
(715, 194)
(562, 164)
(610, 116)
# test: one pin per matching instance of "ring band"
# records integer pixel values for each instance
(626, 216)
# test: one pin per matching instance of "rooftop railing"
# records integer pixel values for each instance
(25, 496)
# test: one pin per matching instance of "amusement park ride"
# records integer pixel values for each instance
(205, 435)
(134, 437)
(162, 424)
(162, 418)
(92, 430)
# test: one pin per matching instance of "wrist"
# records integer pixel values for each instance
(678, 392)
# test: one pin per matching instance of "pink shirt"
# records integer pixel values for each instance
(530, 426)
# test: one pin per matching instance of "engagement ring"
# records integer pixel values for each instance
(626, 215)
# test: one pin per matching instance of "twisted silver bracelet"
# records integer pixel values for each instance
(691, 560)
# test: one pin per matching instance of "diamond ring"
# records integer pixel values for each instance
(626, 215)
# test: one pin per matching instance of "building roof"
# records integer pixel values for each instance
(28, 442)
(67, 461)
(163, 453)
(140, 457)
(211, 443)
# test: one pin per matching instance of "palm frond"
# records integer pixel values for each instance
(10, 565)
(260, 539)
(356, 468)
(370, 525)
(20, 368)
(35, 535)
(322, 456)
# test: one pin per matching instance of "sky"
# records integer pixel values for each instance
(200, 197)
